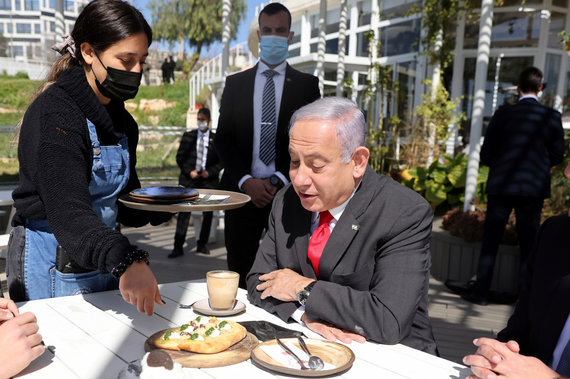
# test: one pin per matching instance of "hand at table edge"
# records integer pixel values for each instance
(138, 287)
(330, 332)
(494, 359)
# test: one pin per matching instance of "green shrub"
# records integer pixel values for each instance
(442, 184)
(21, 75)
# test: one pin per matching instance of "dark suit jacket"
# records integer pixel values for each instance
(234, 136)
(374, 270)
(543, 305)
(523, 141)
(186, 159)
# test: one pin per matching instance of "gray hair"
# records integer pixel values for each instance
(344, 114)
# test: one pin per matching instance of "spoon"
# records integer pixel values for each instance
(315, 363)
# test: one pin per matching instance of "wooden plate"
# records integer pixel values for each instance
(237, 353)
(333, 353)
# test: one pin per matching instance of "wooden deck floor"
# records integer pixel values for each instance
(455, 322)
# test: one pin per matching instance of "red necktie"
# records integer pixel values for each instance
(319, 240)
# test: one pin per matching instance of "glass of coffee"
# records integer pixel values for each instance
(222, 289)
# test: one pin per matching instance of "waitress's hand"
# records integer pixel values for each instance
(138, 287)
(8, 310)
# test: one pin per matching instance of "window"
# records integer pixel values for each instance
(556, 26)
(18, 6)
(69, 6)
(6, 5)
(32, 5)
(1, 28)
(10, 28)
(17, 51)
(23, 28)
(38, 28)
(52, 26)
(397, 8)
(510, 29)
(401, 38)
(51, 4)
(551, 74)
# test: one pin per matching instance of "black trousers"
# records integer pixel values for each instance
(527, 212)
(243, 230)
(182, 228)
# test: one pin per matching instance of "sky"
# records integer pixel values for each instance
(214, 49)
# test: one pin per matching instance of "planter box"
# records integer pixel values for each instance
(454, 259)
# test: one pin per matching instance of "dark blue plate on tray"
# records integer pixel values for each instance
(164, 193)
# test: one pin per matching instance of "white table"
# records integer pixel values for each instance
(96, 335)
(6, 197)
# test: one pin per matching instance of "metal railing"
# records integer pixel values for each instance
(211, 71)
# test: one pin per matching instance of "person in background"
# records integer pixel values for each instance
(171, 69)
(347, 250)
(252, 134)
(522, 143)
(165, 67)
(536, 341)
(20, 342)
(199, 168)
(77, 155)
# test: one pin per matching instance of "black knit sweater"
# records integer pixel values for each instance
(55, 159)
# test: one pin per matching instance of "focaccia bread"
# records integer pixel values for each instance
(202, 335)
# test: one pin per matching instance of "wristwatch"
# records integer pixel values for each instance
(303, 295)
(275, 181)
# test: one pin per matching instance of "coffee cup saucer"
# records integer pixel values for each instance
(203, 307)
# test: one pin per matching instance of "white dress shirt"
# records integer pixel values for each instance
(206, 137)
(258, 168)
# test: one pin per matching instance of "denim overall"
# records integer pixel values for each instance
(109, 175)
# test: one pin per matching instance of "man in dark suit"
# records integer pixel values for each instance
(540, 325)
(199, 168)
(522, 143)
(252, 134)
(369, 279)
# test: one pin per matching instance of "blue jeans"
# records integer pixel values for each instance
(39, 268)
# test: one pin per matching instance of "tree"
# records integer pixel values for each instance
(199, 22)
(3, 46)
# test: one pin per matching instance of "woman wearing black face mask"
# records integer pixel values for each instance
(77, 154)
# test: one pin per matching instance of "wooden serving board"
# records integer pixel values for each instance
(237, 353)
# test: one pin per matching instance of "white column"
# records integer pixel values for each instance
(483, 49)
(322, 45)
(226, 8)
(435, 79)
(456, 80)
(305, 35)
(59, 20)
(352, 32)
(341, 48)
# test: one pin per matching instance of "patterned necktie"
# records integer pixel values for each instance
(319, 240)
(268, 120)
(563, 367)
(200, 153)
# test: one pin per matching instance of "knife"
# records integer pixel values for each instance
(303, 367)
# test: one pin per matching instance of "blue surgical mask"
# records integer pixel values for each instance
(273, 49)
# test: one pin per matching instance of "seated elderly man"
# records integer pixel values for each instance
(347, 250)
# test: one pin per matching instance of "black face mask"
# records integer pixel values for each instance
(119, 84)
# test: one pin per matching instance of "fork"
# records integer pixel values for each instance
(303, 367)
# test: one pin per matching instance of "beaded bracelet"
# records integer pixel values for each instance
(135, 255)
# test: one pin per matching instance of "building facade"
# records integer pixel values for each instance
(524, 33)
(28, 27)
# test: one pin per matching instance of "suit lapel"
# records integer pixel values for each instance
(301, 227)
(347, 227)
